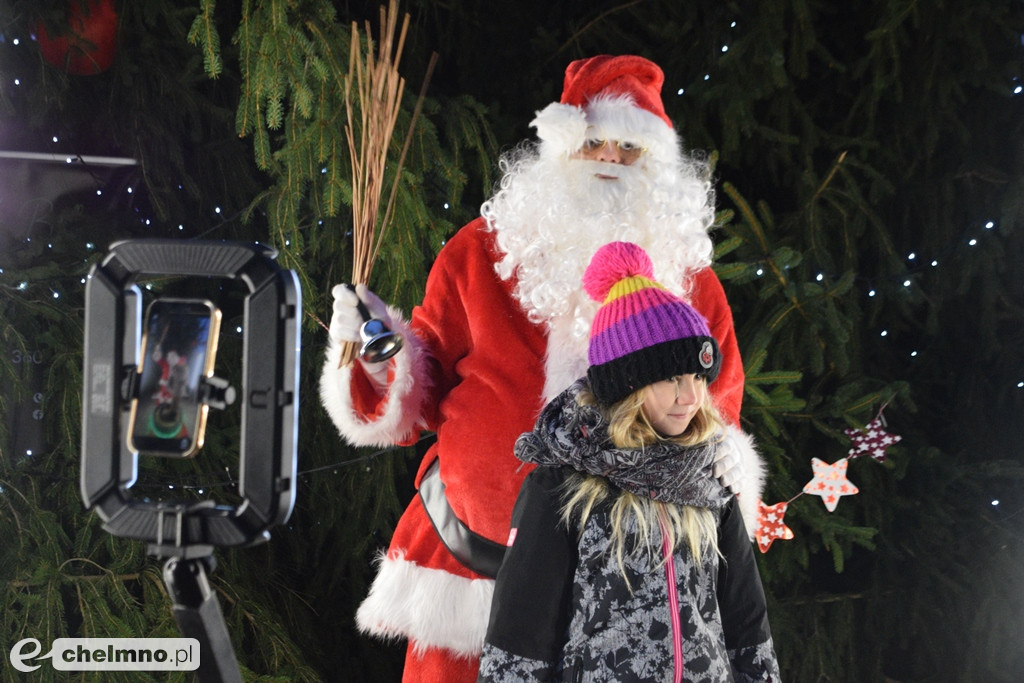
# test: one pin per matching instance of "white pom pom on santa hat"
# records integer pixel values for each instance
(561, 127)
(608, 98)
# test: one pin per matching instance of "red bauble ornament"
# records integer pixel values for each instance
(87, 44)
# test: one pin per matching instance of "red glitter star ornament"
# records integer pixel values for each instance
(873, 440)
(770, 525)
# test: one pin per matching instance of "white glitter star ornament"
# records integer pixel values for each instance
(830, 482)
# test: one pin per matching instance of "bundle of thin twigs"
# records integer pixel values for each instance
(378, 88)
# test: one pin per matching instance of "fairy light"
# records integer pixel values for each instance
(872, 292)
(912, 256)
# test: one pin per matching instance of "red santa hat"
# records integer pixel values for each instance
(609, 98)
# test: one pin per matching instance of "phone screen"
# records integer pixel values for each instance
(179, 346)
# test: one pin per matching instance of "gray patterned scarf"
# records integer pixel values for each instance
(576, 436)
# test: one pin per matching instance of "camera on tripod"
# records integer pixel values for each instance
(149, 388)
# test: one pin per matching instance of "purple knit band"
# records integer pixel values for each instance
(642, 327)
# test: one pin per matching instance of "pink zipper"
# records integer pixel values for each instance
(673, 602)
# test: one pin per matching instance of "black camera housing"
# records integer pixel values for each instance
(269, 395)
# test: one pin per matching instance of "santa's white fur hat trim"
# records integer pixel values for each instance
(609, 98)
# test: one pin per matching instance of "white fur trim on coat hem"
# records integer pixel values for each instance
(435, 609)
(403, 410)
(752, 484)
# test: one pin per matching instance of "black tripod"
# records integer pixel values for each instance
(197, 611)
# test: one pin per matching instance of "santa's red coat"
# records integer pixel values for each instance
(473, 371)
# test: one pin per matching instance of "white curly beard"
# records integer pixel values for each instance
(550, 216)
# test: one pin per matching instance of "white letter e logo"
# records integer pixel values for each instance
(18, 658)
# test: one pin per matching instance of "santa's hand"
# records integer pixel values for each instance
(347, 320)
(727, 467)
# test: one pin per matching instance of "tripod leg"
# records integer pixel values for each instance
(198, 615)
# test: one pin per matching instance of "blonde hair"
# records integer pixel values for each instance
(628, 427)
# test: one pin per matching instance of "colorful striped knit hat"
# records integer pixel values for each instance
(642, 333)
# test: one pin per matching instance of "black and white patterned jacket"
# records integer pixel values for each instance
(562, 610)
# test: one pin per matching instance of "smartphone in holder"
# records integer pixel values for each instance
(179, 346)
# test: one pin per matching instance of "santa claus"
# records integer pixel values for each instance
(504, 327)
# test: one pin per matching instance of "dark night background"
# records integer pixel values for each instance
(869, 161)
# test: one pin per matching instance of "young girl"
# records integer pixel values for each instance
(628, 560)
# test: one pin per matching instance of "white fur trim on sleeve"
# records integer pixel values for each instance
(403, 411)
(436, 608)
(752, 484)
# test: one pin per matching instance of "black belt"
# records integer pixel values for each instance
(480, 554)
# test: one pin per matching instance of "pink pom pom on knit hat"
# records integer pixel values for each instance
(642, 333)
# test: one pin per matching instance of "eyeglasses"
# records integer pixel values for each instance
(629, 151)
